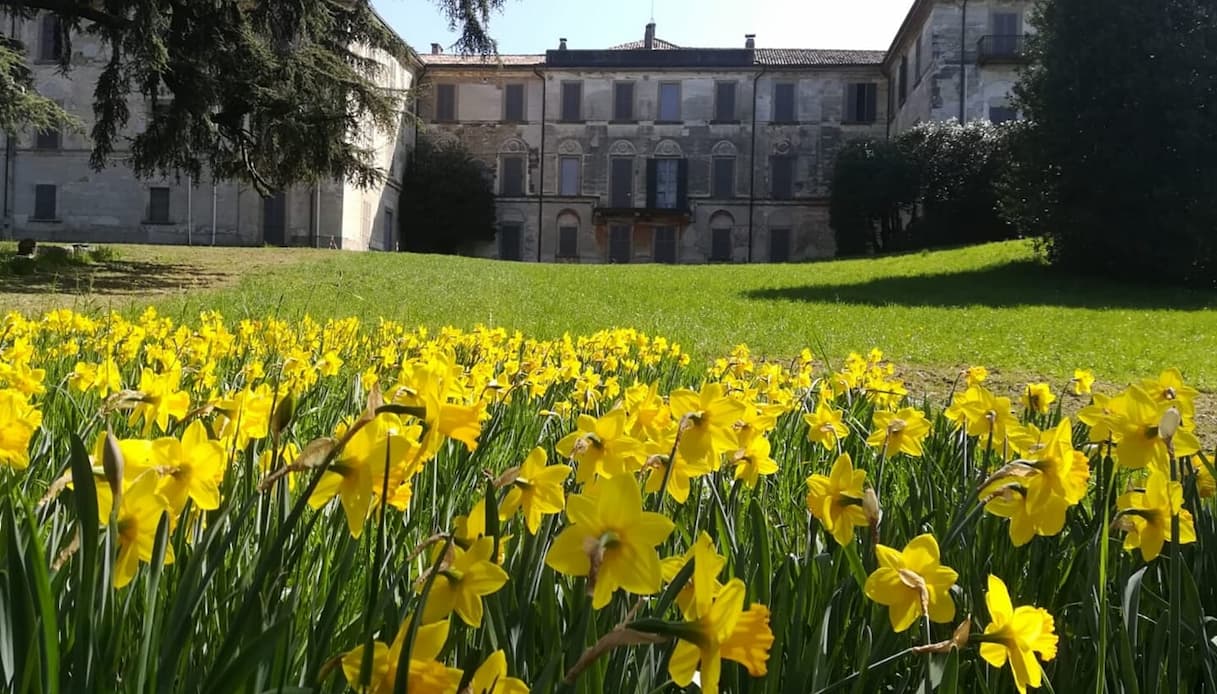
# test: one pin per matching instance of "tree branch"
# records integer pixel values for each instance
(68, 8)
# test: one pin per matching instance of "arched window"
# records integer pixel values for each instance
(722, 224)
(568, 234)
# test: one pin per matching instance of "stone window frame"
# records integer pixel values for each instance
(456, 98)
(659, 101)
(50, 140)
(633, 116)
(523, 102)
(50, 38)
(734, 84)
(793, 162)
(521, 157)
(578, 187)
(851, 104)
(152, 214)
(53, 191)
(731, 192)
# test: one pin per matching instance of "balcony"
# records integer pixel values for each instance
(1001, 48)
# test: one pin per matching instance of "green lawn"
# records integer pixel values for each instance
(989, 304)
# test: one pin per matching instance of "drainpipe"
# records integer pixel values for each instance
(963, 52)
(752, 162)
(541, 185)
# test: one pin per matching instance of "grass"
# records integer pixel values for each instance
(933, 311)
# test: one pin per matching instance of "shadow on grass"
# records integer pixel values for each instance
(110, 278)
(1022, 283)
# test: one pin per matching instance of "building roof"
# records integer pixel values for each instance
(658, 45)
(482, 60)
(817, 56)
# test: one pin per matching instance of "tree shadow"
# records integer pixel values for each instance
(115, 278)
(1021, 283)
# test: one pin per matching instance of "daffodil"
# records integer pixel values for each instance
(601, 446)
(464, 579)
(975, 375)
(160, 400)
(139, 514)
(706, 420)
(1038, 398)
(724, 631)
(1082, 382)
(491, 677)
(836, 500)
(753, 460)
(426, 675)
(18, 422)
(1145, 515)
(899, 432)
(912, 582)
(985, 416)
(1170, 389)
(825, 425)
(612, 541)
(1016, 635)
(697, 594)
(537, 488)
(190, 468)
(1141, 442)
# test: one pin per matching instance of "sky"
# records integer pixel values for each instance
(534, 26)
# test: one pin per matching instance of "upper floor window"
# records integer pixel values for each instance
(667, 184)
(917, 64)
(861, 102)
(724, 101)
(445, 103)
(669, 101)
(723, 181)
(783, 102)
(513, 103)
(572, 101)
(781, 178)
(904, 79)
(47, 139)
(568, 175)
(623, 101)
(1006, 29)
(50, 45)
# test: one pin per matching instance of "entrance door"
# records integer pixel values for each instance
(274, 219)
(619, 243)
(621, 183)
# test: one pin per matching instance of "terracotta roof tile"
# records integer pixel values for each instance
(659, 45)
(482, 61)
(816, 56)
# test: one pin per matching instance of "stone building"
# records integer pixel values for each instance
(642, 152)
(649, 152)
(49, 192)
(927, 58)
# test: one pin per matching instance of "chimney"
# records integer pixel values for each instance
(436, 49)
(561, 44)
(749, 40)
(649, 41)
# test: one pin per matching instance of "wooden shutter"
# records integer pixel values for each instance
(572, 101)
(652, 183)
(851, 103)
(623, 101)
(724, 105)
(513, 110)
(682, 184)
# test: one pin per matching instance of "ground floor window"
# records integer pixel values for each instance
(720, 245)
(509, 241)
(45, 207)
(619, 243)
(665, 245)
(779, 245)
(568, 242)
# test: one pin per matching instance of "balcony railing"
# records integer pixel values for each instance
(1002, 48)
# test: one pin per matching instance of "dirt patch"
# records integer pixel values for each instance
(140, 274)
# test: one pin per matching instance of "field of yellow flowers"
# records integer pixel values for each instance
(273, 506)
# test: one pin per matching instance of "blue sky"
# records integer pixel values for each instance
(532, 26)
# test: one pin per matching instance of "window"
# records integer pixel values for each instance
(904, 79)
(512, 183)
(669, 101)
(513, 103)
(720, 245)
(568, 175)
(51, 39)
(623, 101)
(667, 184)
(1005, 33)
(158, 206)
(783, 102)
(44, 203)
(781, 178)
(445, 103)
(509, 241)
(723, 181)
(389, 233)
(47, 139)
(568, 242)
(917, 63)
(621, 182)
(665, 245)
(619, 243)
(1002, 114)
(779, 245)
(724, 102)
(861, 102)
(572, 101)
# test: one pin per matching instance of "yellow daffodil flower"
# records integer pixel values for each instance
(190, 468)
(1016, 635)
(491, 677)
(825, 425)
(899, 432)
(139, 514)
(537, 489)
(18, 422)
(836, 500)
(1145, 515)
(463, 581)
(426, 675)
(911, 581)
(724, 631)
(601, 446)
